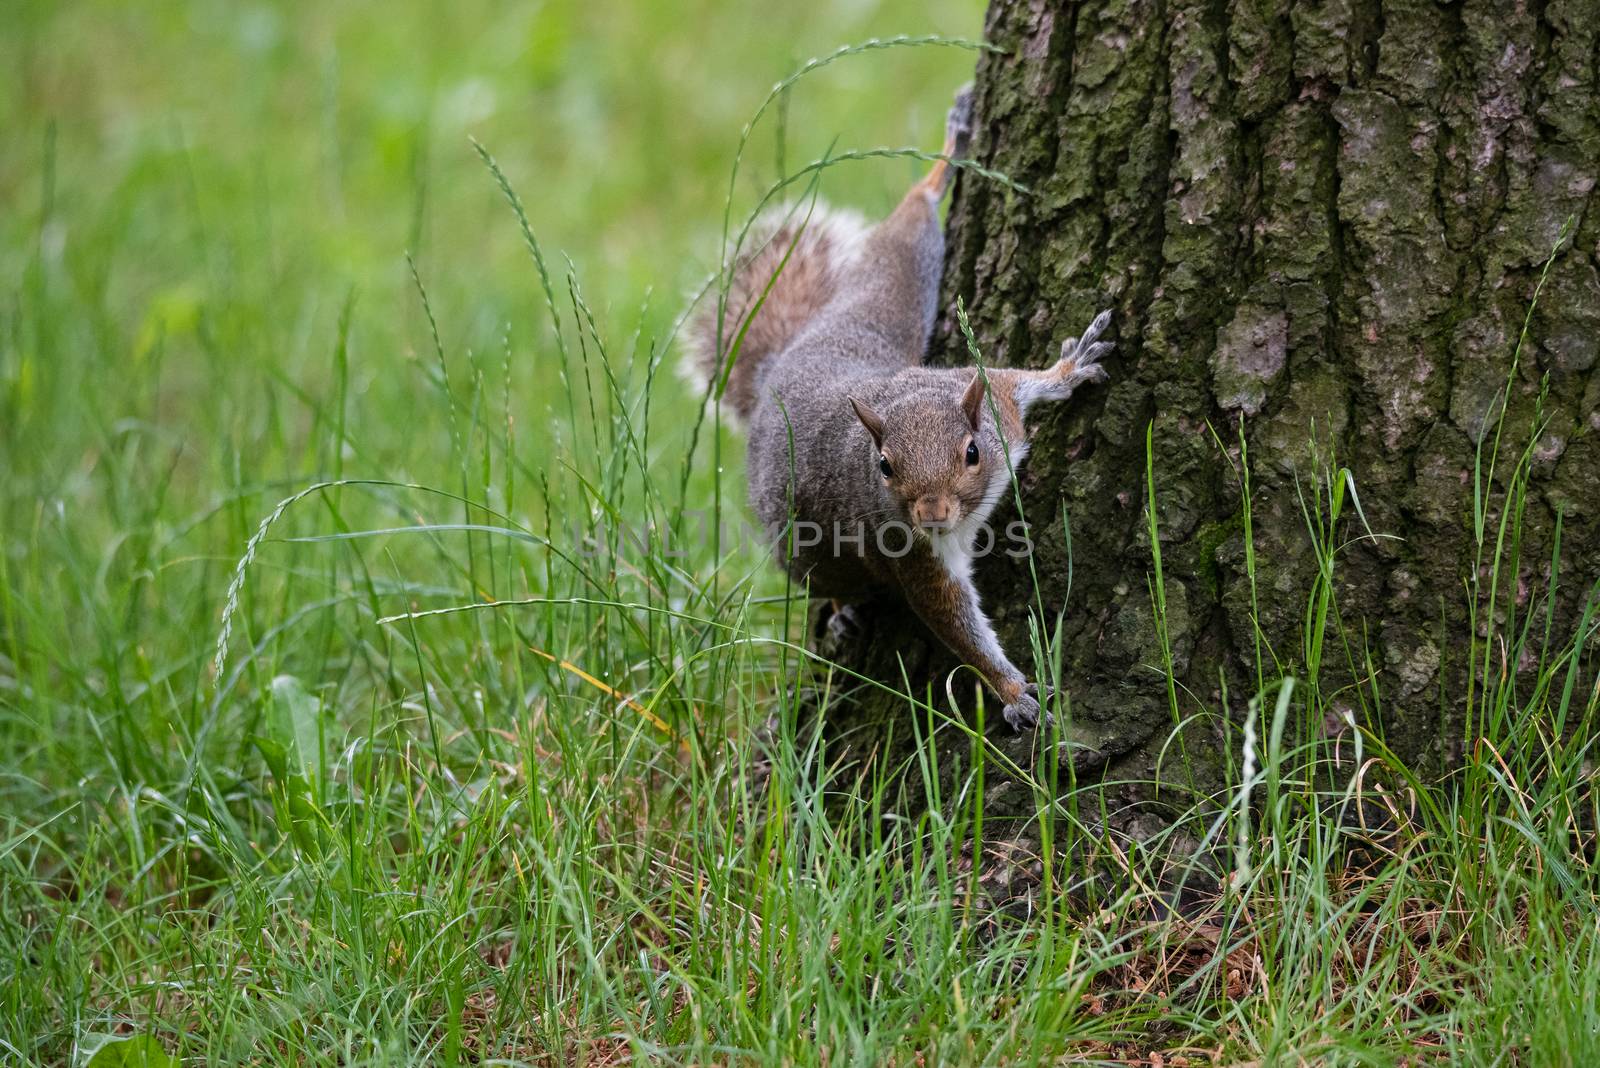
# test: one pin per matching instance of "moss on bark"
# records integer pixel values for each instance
(1325, 219)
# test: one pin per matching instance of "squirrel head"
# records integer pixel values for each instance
(938, 455)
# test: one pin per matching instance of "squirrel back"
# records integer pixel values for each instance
(791, 273)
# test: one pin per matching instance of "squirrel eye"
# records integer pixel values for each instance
(883, 465)
(972, 453)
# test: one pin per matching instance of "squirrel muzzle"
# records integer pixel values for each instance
(937, 512)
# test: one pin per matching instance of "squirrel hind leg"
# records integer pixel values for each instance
(958, 123)
(957, 142)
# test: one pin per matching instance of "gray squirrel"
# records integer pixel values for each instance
(849, 434)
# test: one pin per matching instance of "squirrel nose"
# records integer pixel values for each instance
(931, 511)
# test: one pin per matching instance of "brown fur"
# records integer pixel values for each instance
(802, 255)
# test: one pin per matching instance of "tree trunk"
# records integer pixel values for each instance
(1323, 222)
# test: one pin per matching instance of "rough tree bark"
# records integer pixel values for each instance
(1327, 220)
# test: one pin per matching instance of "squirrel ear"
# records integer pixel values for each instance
(869, 419)
(972, 400)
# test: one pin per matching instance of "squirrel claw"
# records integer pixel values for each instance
(1089, 348)
(1088, 372)
(1023, 713)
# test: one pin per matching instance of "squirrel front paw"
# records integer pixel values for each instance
(845, 625)
(1080, 356)
(1022, 712)
(839, 625)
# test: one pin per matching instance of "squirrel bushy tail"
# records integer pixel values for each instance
(802, 254)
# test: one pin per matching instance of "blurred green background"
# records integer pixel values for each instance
(189, 191)
(192, 196)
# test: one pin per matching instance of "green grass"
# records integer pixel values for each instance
(407, 820)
